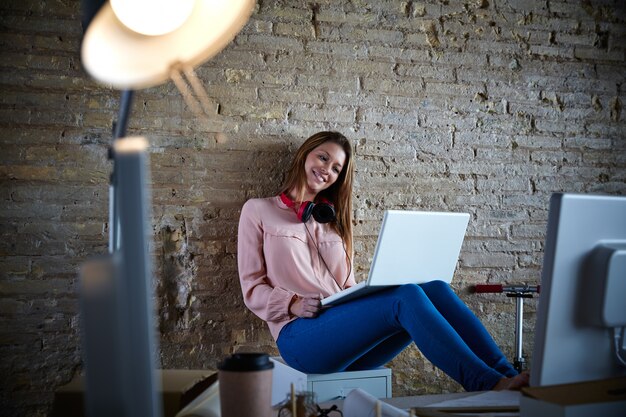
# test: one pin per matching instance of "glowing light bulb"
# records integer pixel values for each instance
(152, 17)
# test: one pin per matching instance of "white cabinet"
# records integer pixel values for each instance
(326, 387)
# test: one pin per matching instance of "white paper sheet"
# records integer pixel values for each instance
(359, 403)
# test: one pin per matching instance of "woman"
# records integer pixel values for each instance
(293, 251)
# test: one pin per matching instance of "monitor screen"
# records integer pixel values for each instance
(571, 343)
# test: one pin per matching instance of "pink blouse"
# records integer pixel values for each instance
(278, 259)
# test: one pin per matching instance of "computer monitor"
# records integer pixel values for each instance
(572, 342)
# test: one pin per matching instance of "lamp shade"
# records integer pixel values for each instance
(114, 54)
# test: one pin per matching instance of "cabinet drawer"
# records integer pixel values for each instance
(339, 388)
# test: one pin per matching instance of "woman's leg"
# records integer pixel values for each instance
(342, 338)
(382, 353)
(468, 326)
(342, 335)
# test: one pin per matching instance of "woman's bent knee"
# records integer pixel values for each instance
(410, 291)
(436, 285)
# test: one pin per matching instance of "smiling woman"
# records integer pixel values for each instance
(296, 247)
(290, 257)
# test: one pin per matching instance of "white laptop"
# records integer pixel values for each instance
(413, 247)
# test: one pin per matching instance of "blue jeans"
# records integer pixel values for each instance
(370, 331)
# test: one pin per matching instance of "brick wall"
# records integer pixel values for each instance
(484, 106)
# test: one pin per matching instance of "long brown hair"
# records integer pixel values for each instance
(339, 194)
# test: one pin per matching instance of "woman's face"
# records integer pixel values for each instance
(322, 167)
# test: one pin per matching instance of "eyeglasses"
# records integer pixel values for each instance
(333, 411)
(325, 412)
(306, 406)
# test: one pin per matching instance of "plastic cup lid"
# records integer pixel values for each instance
(245, 362)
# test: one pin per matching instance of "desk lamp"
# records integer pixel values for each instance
(129, 45)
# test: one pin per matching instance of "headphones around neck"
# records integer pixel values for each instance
(322, 212)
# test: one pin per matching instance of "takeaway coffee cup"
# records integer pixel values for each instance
(246, 385)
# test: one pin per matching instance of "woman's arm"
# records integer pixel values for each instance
(267, 302)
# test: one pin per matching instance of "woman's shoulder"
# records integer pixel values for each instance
(262, 210)
(261, 202)
(257, 205)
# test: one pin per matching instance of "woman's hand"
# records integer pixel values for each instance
(307, 306)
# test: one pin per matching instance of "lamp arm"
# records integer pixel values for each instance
(126, 103)
(119, 131)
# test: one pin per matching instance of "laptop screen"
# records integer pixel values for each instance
(417, 246)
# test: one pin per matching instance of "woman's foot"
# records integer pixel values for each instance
(514, 383)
